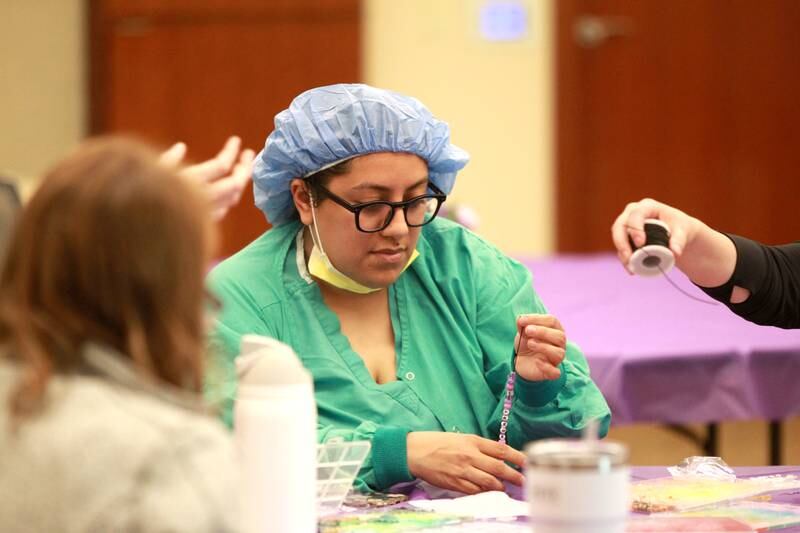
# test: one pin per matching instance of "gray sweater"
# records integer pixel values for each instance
(110, 453)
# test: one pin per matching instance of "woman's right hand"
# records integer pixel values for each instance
(682, 227)
(223, 177)
(461, 462)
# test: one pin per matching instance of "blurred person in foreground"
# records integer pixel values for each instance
(102, 328)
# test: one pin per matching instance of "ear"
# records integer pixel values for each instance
(302, 200)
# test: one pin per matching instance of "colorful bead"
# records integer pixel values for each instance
(507, 404)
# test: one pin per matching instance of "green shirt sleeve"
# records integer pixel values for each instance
(387, 462)
(557, 408)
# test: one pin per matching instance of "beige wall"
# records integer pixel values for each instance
(497, 98)
(41, 83)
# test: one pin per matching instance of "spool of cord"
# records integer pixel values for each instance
(654, 257)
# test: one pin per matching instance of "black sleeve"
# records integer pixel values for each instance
(772, 275)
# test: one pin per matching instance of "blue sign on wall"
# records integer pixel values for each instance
(503, 20)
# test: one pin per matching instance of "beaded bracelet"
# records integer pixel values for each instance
(508, 402)
(512, 376)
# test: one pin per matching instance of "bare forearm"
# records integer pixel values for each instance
(709, 257)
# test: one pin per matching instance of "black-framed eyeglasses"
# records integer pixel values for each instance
(372, 217)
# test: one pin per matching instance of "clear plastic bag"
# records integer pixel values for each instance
(705, 467)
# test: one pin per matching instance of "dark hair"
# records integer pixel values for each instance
(111, 249)
(324, 177)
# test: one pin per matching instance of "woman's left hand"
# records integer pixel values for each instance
(541, 348)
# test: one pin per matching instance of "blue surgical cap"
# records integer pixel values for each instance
(327, 125)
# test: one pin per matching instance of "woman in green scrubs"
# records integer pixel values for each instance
(411, 325)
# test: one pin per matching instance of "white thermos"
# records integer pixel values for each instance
(275, 424)
(577, 486)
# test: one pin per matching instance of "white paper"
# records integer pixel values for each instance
(494, 504)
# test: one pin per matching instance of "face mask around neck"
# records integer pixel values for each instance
(320, 266)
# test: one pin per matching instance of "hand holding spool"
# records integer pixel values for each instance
(654, 257)
(629, 232)
(652, 237)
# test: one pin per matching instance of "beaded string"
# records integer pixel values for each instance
(507, 403)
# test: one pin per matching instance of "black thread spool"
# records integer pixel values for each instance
(654, 257)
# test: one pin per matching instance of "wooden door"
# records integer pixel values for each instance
(201, 70)
(693, 102)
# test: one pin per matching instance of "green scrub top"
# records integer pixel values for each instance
(454, 317)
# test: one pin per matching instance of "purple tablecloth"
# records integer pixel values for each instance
(660, 356)
(651, 472)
